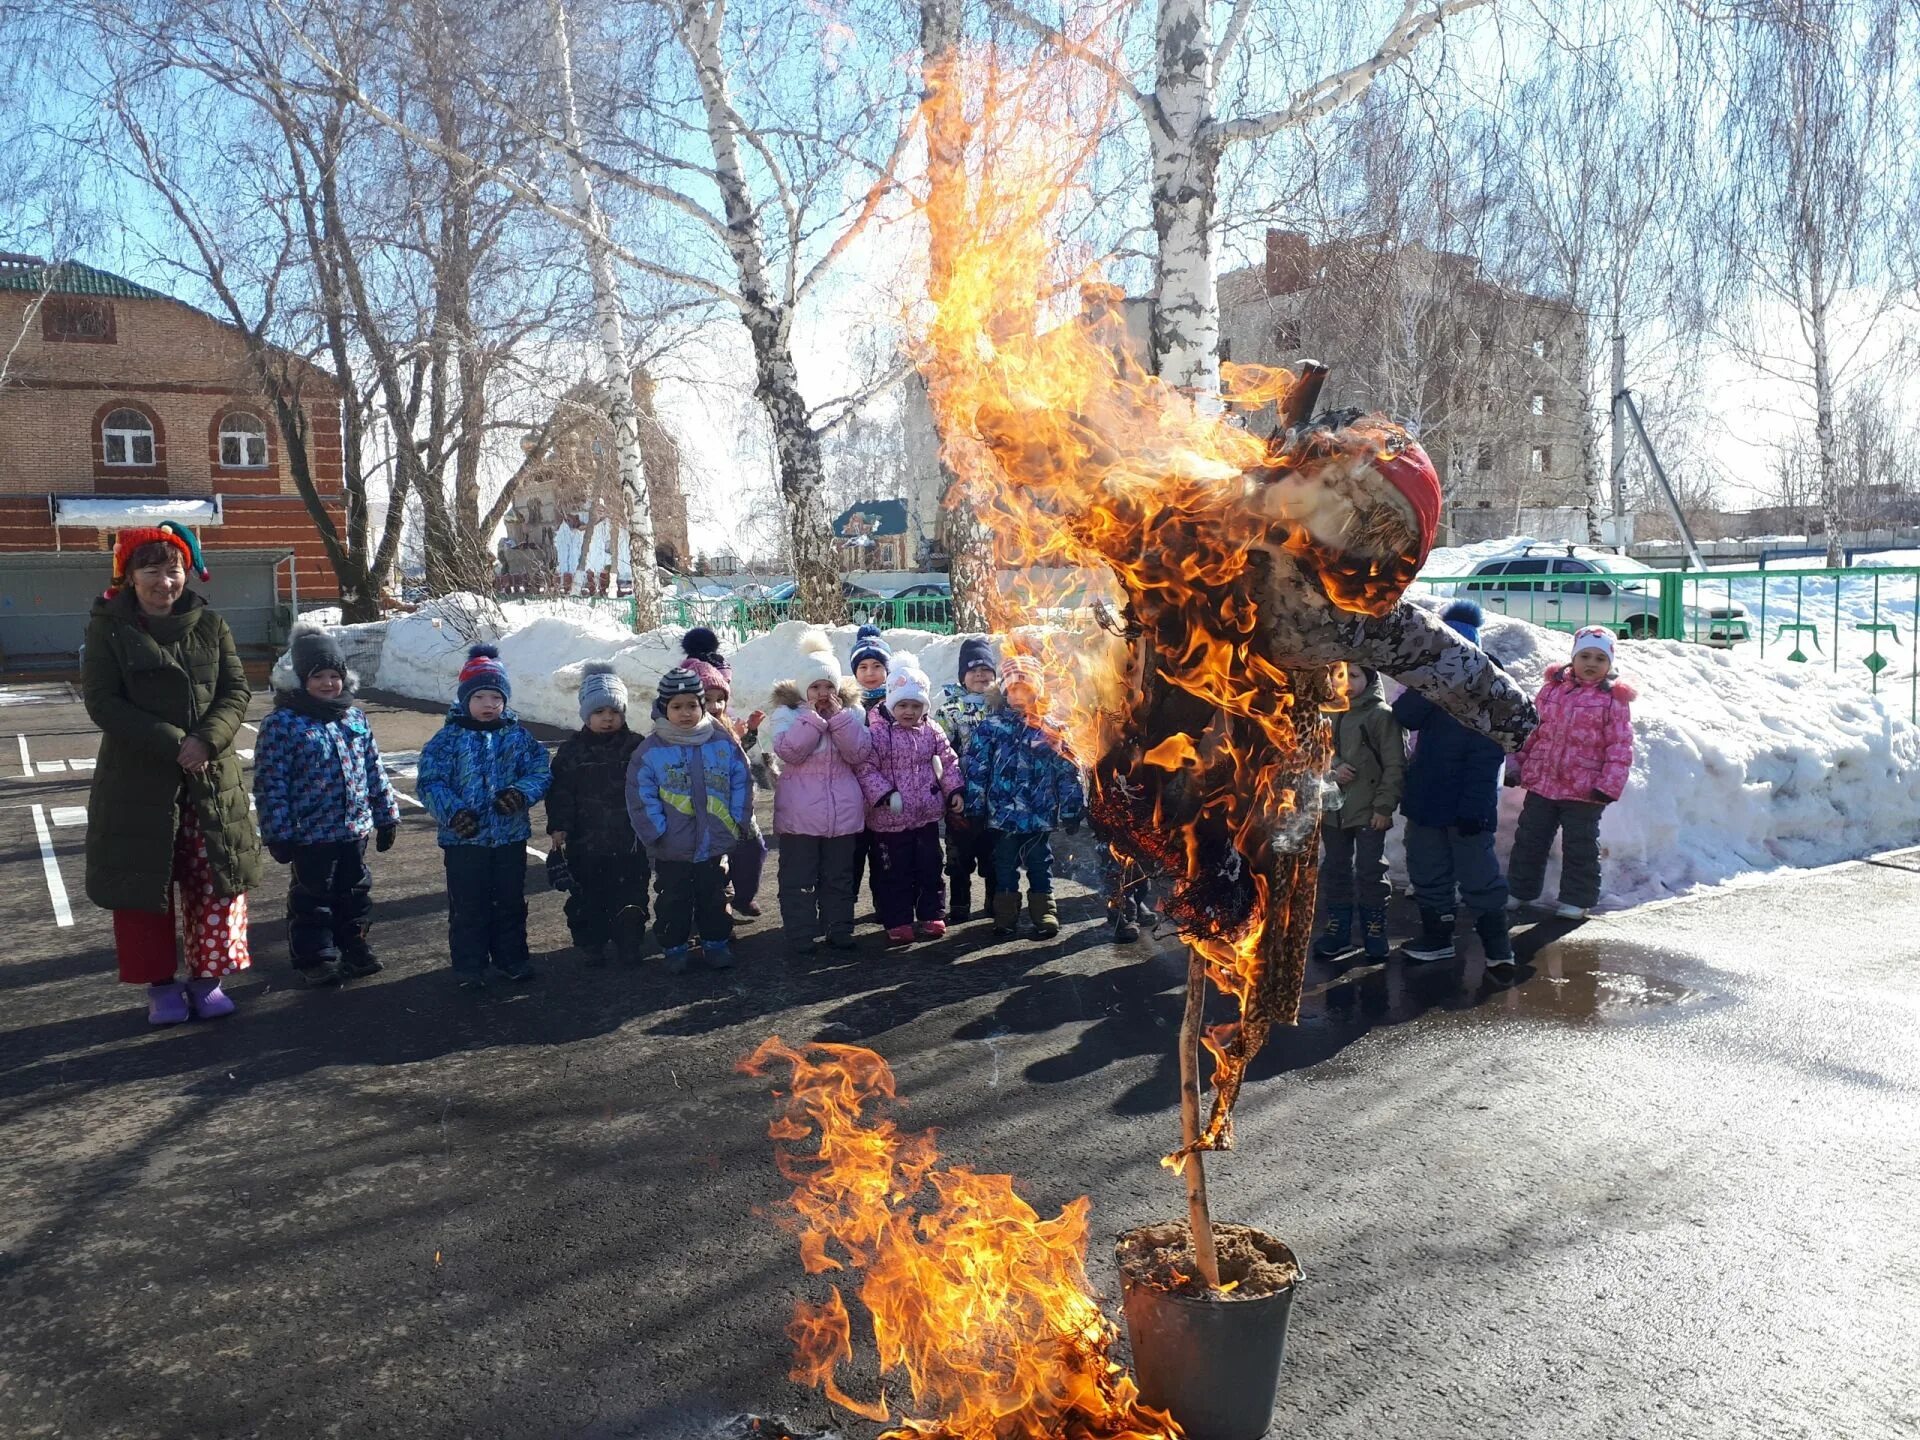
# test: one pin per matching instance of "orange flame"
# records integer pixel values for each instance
(1145, 530)
(980, 1303)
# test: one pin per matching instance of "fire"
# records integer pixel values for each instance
(983, 1306)
(1174, 524)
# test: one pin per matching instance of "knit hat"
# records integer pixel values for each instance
(128, 541)
(975, 654)
(1594, 637)
(316, 650)
(712, 677)
(703, 645)
(483, 671)
(601, 689)
(1465, 617)
(680, 681)
(1020, 670)
(906, 680)
(816, 661)
(1410, 472)
(867, 645)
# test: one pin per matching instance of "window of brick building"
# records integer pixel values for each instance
(77, 318)
(1485, 460)
(243, 442)
(127, 438)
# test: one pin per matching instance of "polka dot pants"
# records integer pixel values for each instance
(213, 927)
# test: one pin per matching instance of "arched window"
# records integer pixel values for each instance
(127, 437)
(243, 442)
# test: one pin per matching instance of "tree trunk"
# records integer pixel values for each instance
(621, 409)
(1823, 429)
(769, 320)
(1186, 162)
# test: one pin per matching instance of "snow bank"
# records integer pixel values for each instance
(1742, 765)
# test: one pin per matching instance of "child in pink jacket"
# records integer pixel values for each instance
(911, 778)
(1573, 767)
(819, 732)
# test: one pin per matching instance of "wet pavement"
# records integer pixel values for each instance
(1664, 1186)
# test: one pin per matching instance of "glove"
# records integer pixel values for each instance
(509, 802)
(893, 802)
(281, 850)
(384, 837)
(1072, 827)
(559, 873)
(465, 824)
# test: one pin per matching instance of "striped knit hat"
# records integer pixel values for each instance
(601, 689)
(483, 671)
(1020, 670)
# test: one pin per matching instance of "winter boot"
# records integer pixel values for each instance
(1436, 937)
(1373, 933)
(959, 899)
(520, 971)
(930, 929)
(357, 960)
(676, 959)
(1337, 938)
(318, 975)
(630, 935)
(1126, 929)
(1046, 915)
(167, 1004)
(900, 935)
(718, 954)
(748, 908)
(1491, 927)
(1006, 914)
(209, 1001)
(1563, 910)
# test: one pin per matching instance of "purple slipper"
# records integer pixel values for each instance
(210, 1002)
(167, 1004)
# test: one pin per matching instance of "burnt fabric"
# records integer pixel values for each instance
(908, 883)
(691, 894)
(486, 906)
(1353, 867)
(816, 887)
(609, 896)
(212, 926)
(329, 896)
(1578, 824)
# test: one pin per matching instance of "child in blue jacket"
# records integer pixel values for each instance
(1026, 787)
(479, 775)
(321, 795)
(690, 796)
(1451, 798)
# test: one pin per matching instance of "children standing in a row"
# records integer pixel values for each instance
(748, 856)
(596, 857)
(819, 809)
(970, 839)
(912, 779)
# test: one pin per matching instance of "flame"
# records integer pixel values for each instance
(983, 1306)
(1147, 528)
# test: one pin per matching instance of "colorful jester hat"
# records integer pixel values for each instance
(177, 535)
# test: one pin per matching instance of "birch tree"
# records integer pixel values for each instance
(1189, 138)
(1818, 202)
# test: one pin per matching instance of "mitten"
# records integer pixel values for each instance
(893, 802)
(559, 873)
(465, 824)
(281, 850)
(384, 837)
(509, 802)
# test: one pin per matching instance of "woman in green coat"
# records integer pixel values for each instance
(168, 811)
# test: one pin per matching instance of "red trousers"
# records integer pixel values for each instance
(214, 926)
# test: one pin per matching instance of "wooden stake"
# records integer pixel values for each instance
(1199, 1218)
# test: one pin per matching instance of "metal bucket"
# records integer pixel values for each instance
(1212, 1364)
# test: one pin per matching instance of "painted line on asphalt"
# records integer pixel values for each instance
(26, 757)
(68, 814)
(56, 887)
(52, 767)
(81, 764)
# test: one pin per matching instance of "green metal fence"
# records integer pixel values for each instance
(737, 619)
(1858, 623)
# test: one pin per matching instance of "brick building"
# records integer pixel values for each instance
(120, 400)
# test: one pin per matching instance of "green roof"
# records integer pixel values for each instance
(69, 277)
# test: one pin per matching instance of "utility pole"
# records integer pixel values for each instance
(1618, 469)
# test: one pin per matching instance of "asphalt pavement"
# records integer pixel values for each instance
(1665, 1186)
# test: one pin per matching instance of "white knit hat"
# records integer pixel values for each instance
(1593, 637)
(816, 660)
(905, 679)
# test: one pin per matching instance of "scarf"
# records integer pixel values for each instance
(684, 734)
(327, 712)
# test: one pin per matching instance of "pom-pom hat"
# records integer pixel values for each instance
(701, 644)
(816, 661)
(868, 645)
(483, 671)
(316, 650)
(166, 532)
(906, 680)
(1466, 618)
(601, 689)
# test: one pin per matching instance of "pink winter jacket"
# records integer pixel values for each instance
(917, 762)
(1585, 739)
(818, 792)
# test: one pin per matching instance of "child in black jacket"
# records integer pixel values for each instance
(596, 857)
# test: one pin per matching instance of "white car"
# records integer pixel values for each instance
(1565, 587)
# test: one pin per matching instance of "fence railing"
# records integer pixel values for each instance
(1858, 623)
(737, 619)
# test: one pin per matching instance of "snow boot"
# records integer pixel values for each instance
(1337, 938)
(930, 929)
(718, 954)
(357, 960)
(1006, 914)
(1491, 927)
(1564, 911)
(1126, 929)
(898, 935)
(209, 1001)
(749, 908)
(676, 958)
(959, 899)
(318, 975)
(1373, 933)
(167, 1004)
(1436, 937)
(1046, 915)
